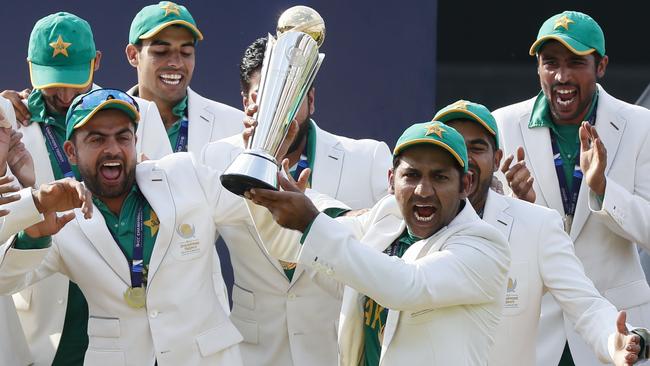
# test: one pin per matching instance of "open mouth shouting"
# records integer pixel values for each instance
(424, 213)
(111, 171)
(565, 96)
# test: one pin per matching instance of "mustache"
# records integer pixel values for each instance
(107, 157)
(558, 84)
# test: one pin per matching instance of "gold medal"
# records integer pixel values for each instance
(287, 265)
(135, 297)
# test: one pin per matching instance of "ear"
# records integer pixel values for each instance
(244, 100)
(98, 59)
(132, 55)
(498, 155)
(601, 67)
(70, 152)
(311, 94)
(465, 185)
(391, 181)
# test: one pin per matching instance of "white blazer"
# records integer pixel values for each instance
(13, 347)
(543, 259)
(445, 294)
(208, 121)
(42, 307)
(295, 323)
(183, 323)
(604, 236)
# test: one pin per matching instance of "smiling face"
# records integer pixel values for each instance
(568, 81)
(104, 151)
(165, 64)
(483, 159)
(428, 186)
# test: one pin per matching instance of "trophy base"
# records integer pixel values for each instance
(251, 169)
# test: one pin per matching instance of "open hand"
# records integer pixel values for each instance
(51, 225)
(593, 158)
(7, 189)
(626, 345)
(518, 176)
(290, 207)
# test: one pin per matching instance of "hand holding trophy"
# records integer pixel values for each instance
(289, 68)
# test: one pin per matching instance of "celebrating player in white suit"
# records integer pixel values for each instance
(588, 153)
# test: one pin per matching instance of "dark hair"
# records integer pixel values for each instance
(251, 62)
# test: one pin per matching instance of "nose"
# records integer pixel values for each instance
(175, 60)
(112, 147)
(66, 95)
(562, 75)
(424, 189)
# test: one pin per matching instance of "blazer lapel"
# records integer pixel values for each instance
(537, 145)
(154, 186)
(495, 214)
(201, 122)
(328, 164)
(100, 237)
(35, 141)
(610, 127)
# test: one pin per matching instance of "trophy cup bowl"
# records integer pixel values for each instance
(290, 65)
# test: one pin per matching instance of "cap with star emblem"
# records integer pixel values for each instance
(61, 52)
(434, 133)
(154, 18)
(464, 109)
(575, 30)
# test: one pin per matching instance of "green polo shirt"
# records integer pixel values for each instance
(566, 136)
(375, 315)
(74, 339)
(180, 111)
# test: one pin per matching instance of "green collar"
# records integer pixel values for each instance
(180, 110)
(408, 237)
(38, 110)
(541, 115)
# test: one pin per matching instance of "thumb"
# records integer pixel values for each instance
(584, 138)
(303, 179)
(64, 219)
(621, 327)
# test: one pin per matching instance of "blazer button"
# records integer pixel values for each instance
(329, 272)
(292, 296)
(153, 313)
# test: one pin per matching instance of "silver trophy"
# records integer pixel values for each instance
(290, 65)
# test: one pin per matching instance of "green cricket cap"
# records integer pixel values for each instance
(575, 30)
(464, 109)
(85, 106)
(61, 52)
(154, 18)
(434, 133)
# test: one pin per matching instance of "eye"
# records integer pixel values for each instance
(441, 178)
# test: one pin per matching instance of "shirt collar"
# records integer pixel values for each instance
(541, 114)
(38, 110)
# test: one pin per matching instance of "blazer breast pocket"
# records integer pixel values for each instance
(104, 333)
(516, 296)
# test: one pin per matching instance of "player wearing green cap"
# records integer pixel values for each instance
(162, 42)
(62, 60)
(145, 261)
(423, 287)
(543, 259)
(588, 153)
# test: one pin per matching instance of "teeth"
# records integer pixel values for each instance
(564, 91)
(423, 218)
(171, 76)
(564, 103)
(112, 164)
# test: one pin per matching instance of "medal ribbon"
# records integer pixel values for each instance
(569, 196)
(61, 159)
(181, 140)
(137, 262)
